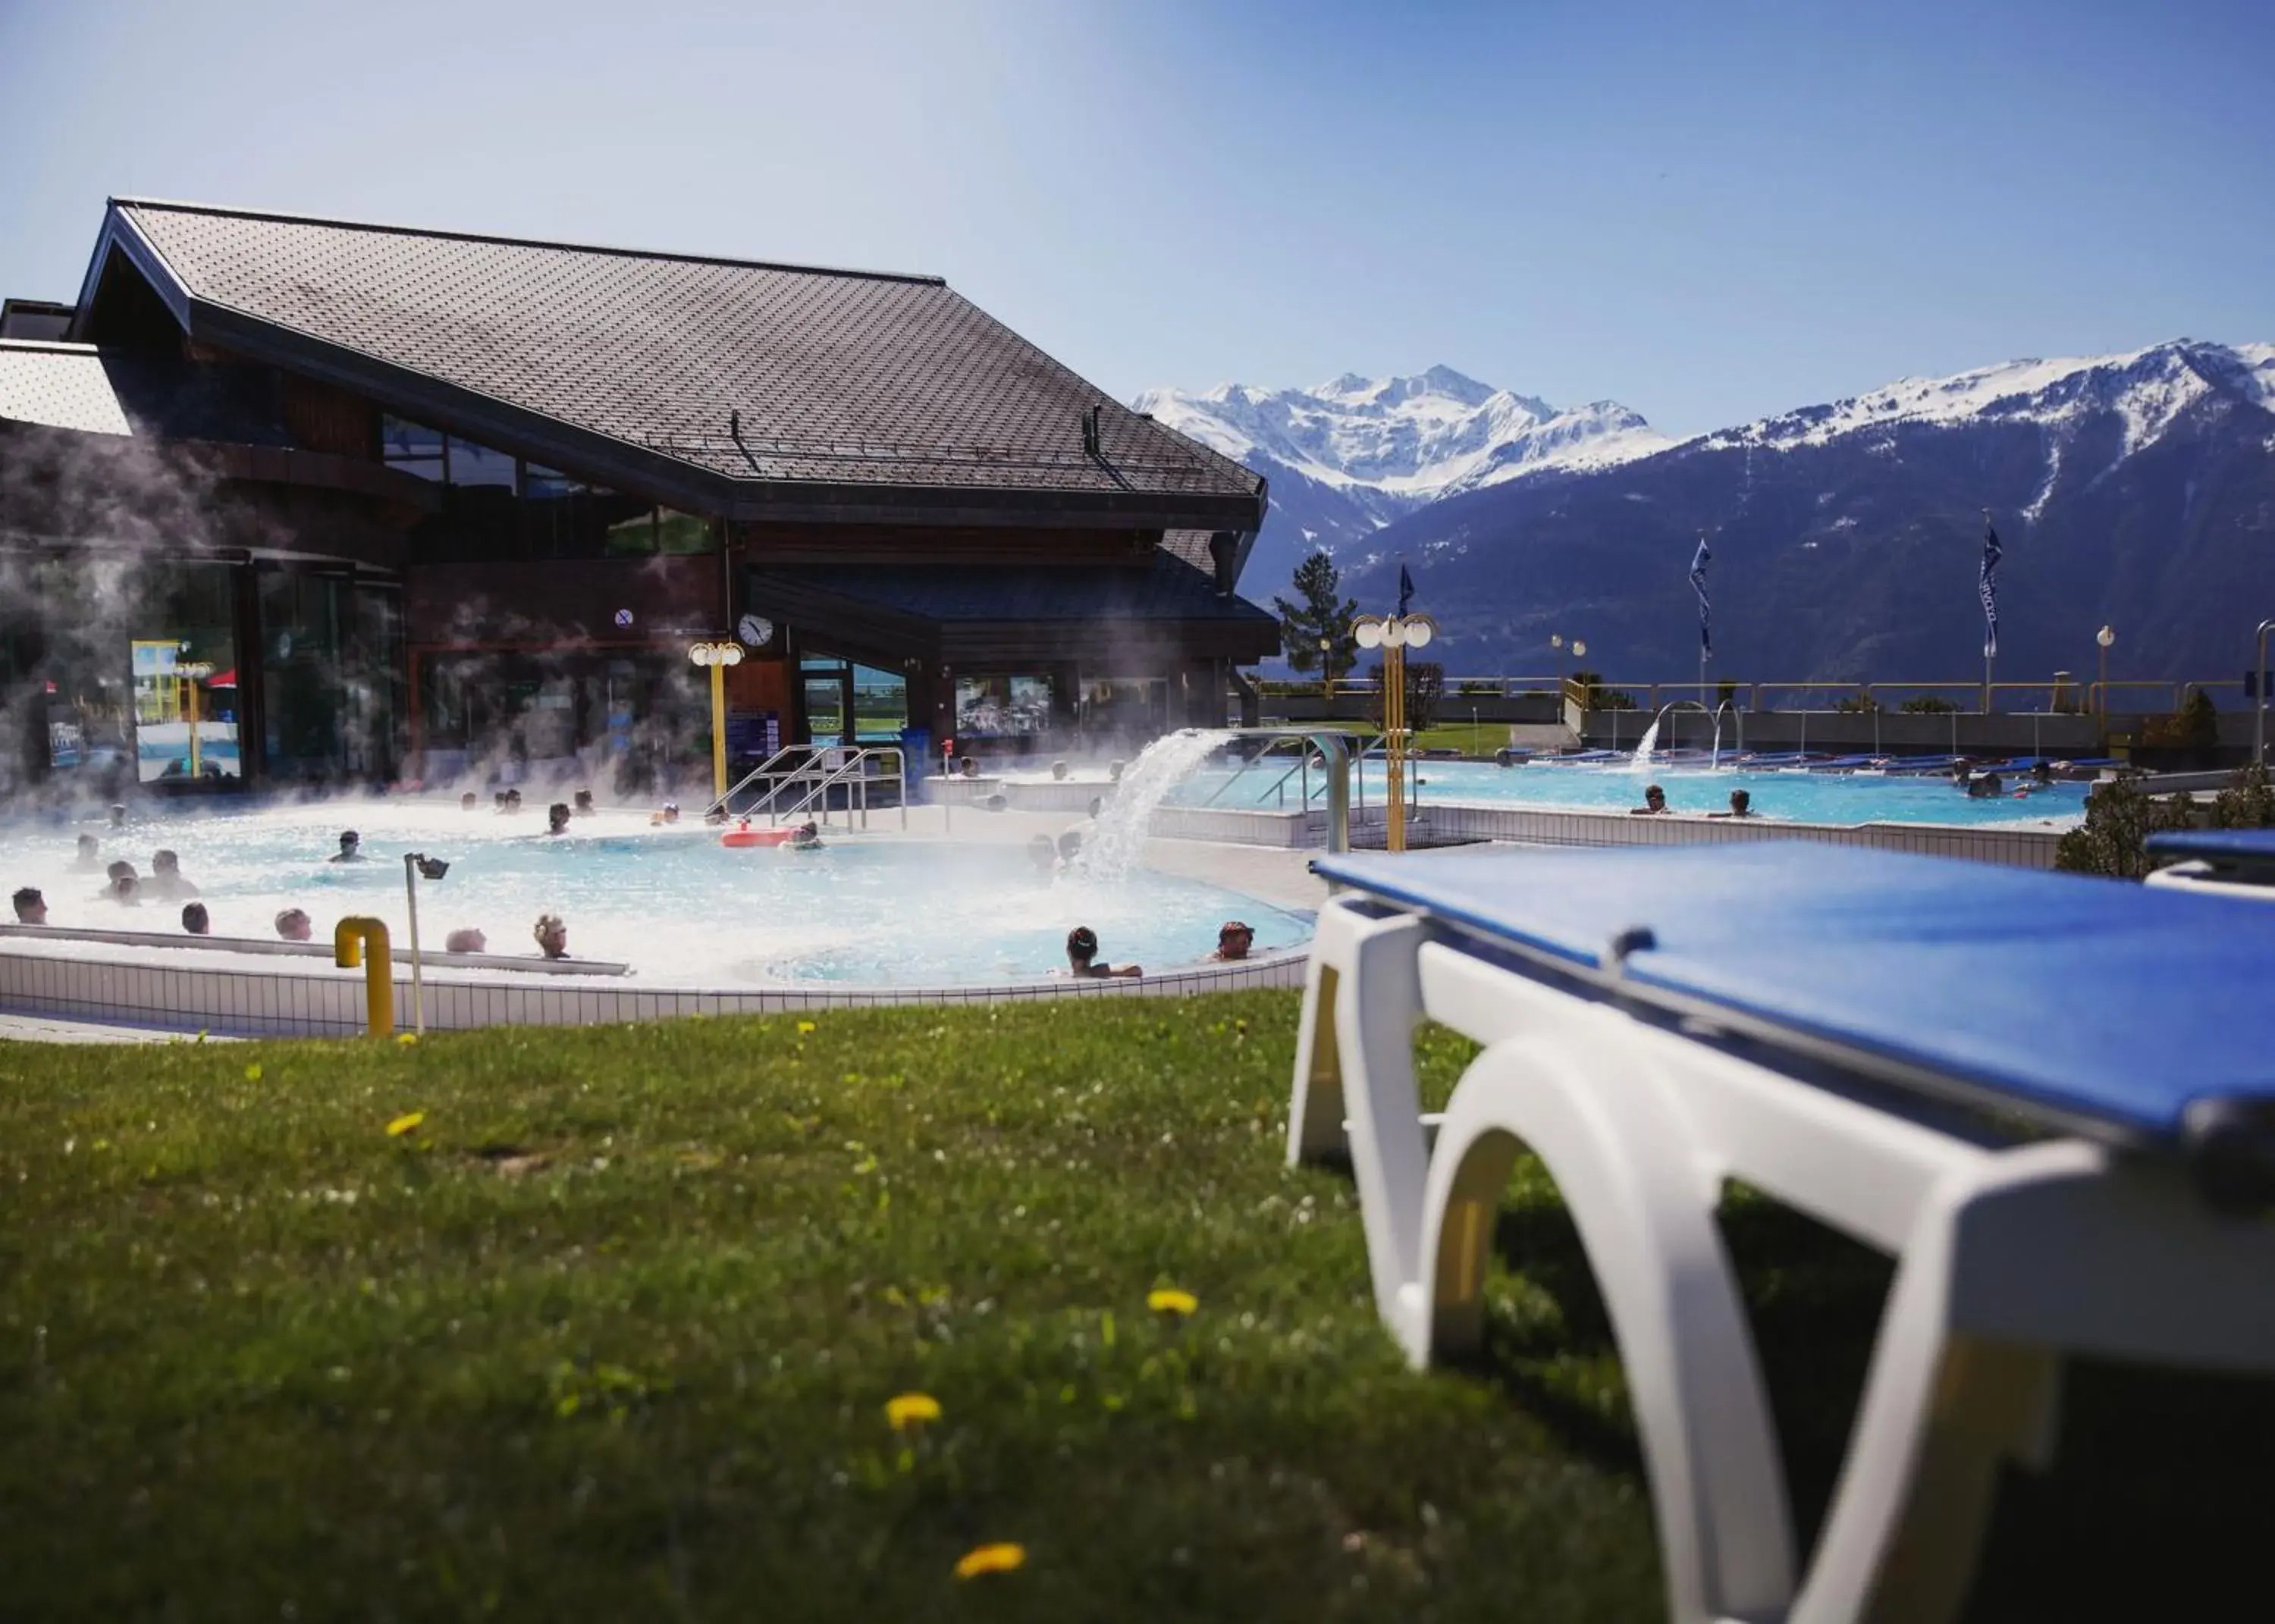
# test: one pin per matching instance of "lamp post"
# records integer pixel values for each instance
(191, 674)
(1556, 642)
(1394, 634)
(2259, 681)
(2105, 638)
(717, 657)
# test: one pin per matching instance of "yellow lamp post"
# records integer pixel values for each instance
(717, 657)
(191, 674)
(1394, 634)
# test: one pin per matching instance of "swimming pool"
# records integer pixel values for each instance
(883, 909)
(1791, 795)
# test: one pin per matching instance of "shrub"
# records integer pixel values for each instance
(2114, 839)
(1600, 698)
(1858, 705)
(2195, 726)
(1927, 705)
(2248, 802)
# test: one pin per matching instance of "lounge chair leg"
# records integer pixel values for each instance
(1612, 1133)
(1315, 1109)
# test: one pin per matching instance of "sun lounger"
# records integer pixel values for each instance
(2050, 1099)
(2238, 863)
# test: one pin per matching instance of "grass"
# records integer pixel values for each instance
(610, 1330)
(1470, 738)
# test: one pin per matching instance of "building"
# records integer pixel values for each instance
(286, 499)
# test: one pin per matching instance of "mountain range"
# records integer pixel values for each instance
(2134, 490)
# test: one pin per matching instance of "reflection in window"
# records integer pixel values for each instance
(477, 464)
(631, 538)
(411, 447)
(680, 532)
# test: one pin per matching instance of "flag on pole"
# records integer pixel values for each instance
(1987, 588)
(1705, 609)
(1405, 589)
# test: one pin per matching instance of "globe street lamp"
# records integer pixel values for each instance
(191, 674)
(717, 657)
(2104, 637)
(1394, 634)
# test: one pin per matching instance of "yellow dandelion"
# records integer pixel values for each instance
(996, 1558)
(804, 1026)
(252, 1073)
(1170, 1300)
(406, 1039)
(911, 1409)
(405, 1123)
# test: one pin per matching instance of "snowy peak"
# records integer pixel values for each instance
(1403, 440)
(2147, 389)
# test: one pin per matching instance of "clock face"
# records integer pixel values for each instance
(755, 631)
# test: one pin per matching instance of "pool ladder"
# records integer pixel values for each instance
(819, 768)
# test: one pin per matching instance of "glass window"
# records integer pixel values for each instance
(631, 538)
(684, 533)
(1001, 706)
(182, 654)
(880, 703)
(411, 447)
(477, 465)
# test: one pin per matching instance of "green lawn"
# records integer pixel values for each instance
(610, 1332)
(1453, 731)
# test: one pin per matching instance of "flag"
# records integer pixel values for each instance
(1987, 589)
(1405, 589)
(1705, 611)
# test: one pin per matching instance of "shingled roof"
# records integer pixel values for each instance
(772, 391)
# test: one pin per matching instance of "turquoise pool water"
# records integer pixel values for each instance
(884, 909)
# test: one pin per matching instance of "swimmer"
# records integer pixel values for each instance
(557, 817)
(668, 814)
(1059, 771)
(513, 800)
(467, 941)
(90, 855)
(467, 803)
(552, 936)
(1234, 938)
(126, 889)
(1082, 952)
(118, 816)
(1654, 803)
(292, 926)
(1742, 805)
(1042, 854)
(31, 907)
(351, 848)
(196, 921)
(497, 802)
(166, 875)
(805, 837)
(584, 799)
(1069, 849)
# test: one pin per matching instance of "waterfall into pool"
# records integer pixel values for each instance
(1119, 841)
(1640, 762)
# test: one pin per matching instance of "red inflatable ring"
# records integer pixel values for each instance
(746, 838)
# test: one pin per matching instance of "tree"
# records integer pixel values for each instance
(1315, 633)
(1426, 689)
(2114, 839)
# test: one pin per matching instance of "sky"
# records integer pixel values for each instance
(1709, 214)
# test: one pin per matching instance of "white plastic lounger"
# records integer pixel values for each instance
(1858, 1034)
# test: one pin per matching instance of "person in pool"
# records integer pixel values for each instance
(31, 907)
(667, 814)
(584, 799)
(117, 815)
(1042, 854)
(805, 837)
(467, 803)
(166, 875)
(292, 926)
(90, 855)
(557, 817)
(1234, 938)
(1742, 805)
(196, 921)
(552, 935)
(1082, 956)
(126, 888)
(466, 940)
(351, 848)
(1654, 803)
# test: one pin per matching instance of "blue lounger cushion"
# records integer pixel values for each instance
(2252, 846)
(2141, 1016)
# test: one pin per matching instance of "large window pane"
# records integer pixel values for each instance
(477, 464)
(182, 660)
(411, 447)
(685, 532)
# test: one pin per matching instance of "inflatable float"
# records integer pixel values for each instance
(745, 837)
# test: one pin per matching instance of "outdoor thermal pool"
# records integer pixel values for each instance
(877, 910)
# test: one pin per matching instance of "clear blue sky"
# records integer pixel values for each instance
(1709, 213)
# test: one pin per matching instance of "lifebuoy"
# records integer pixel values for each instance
(746, 838)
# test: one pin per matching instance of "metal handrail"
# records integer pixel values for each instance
(756, 773)
(819, 780)
(847, 772)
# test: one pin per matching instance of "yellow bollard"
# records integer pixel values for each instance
(361, 940)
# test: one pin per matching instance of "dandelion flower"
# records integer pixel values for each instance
(406, 1039)
(405, 1123)
(1170, 1300)
(997, 1559)
(911, 1409)
(252, 1072)
(804, 1026)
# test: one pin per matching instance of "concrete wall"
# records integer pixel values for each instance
(1847, 733)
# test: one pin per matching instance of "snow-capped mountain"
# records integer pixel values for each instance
(1355, 454)
(2134, 489)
